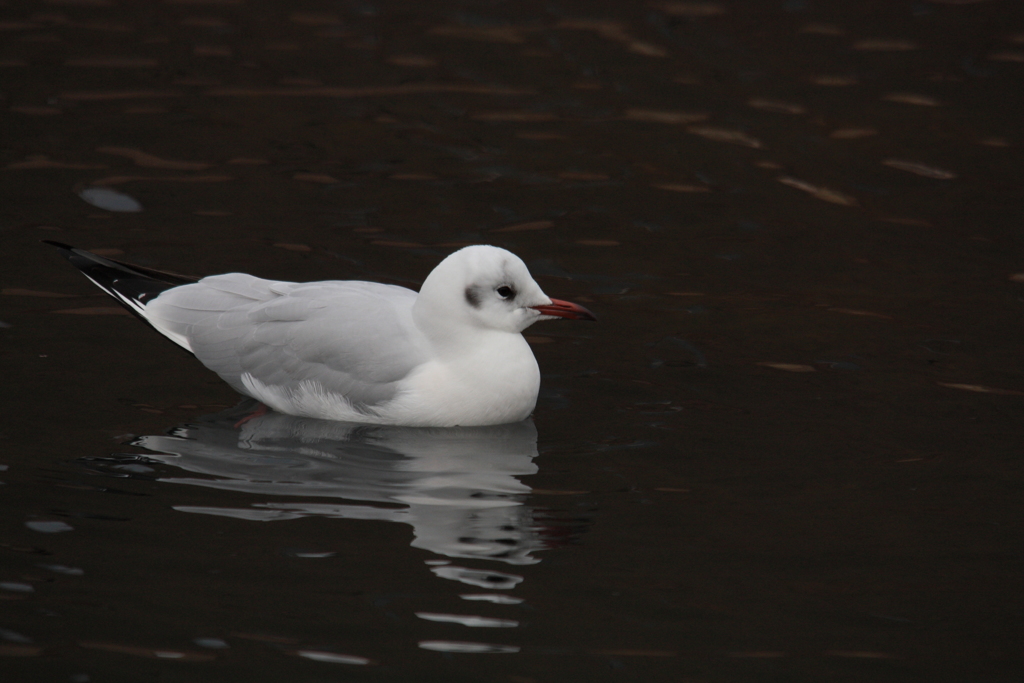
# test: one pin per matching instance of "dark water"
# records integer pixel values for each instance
(789, 451)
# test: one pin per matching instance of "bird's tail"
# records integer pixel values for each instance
(132, 286)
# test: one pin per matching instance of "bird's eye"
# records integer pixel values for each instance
(506, 292)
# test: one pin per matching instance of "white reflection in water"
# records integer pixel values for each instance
(457, 487)
(492, 597)
(332, 658)
(473, 620)
(479, 577)
(466, 647)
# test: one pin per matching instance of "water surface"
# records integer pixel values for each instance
(789, 450)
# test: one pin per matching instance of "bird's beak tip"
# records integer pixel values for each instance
(565, 309)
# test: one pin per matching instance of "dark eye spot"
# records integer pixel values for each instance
(472, 297)
(506, 292)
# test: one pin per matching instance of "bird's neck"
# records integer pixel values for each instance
(447, 333)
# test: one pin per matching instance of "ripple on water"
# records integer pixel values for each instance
(473, 620)
(61, 569)
(333, 657)
(491, 597)
(479, 577)
(49, 527)
(466, 647)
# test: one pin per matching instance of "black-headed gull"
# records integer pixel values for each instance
(454, 354)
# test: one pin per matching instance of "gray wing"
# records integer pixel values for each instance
(353, 338)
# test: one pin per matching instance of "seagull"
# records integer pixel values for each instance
(451, 355)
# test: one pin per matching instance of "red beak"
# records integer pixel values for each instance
(565, 309)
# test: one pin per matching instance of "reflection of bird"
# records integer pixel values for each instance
(457, 487)
(357, 351)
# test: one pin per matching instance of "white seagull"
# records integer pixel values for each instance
(453, 354)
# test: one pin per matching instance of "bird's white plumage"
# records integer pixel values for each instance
(366, 352)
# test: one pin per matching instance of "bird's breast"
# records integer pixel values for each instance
(495, 384)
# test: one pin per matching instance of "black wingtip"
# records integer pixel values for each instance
(131, 286)
(59, 245)
(86, 261)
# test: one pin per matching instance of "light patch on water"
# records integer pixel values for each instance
(472, 621)
(49, 527)
(465, 647)
(105, 198)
